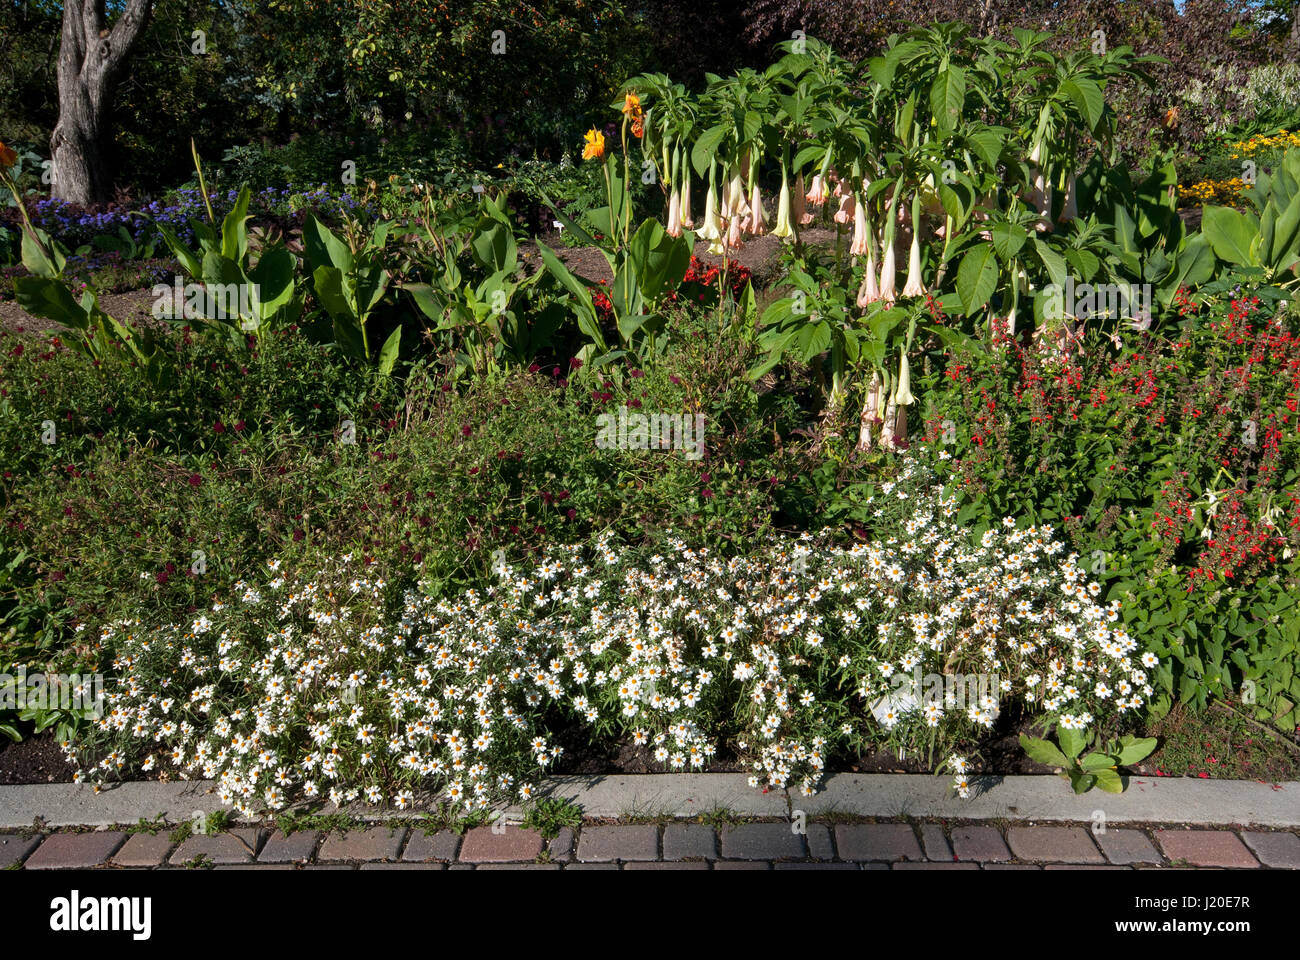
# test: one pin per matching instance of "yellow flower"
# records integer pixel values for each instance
(632, 106)
(7, 156)
(593, 145)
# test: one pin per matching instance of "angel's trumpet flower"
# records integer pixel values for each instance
(903, 393)
(688, 221)
(674, 228)
(845, 213)
(712, 229)
(870, 412)
(817, 193)
(888, 269)
(861, 245)
(914, 287)
(869, 292)
(783, 228)
(758, 216)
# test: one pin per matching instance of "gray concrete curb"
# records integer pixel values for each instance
(1043, 798)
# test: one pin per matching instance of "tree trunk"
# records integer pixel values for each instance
(90, 59)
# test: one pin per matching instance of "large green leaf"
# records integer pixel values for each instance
(1087, 99)
(274, 276)
(234, 229)
(51, 299)
(977, 277)
(329, 285)
(705, 148)
(493, 245)
(1043, 751)
(1008, 238)
(323, 248)
(1232, 234)
(588, 323)
(947, 96)
(388, 355)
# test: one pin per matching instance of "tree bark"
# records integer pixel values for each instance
(91, 58)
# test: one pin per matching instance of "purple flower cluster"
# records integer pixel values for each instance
(73, 225)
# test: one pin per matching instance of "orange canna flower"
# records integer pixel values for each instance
(593, 145)
(632, 106)
(7, 156)
(638, 128)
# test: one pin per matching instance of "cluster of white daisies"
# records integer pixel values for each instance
(329, 689)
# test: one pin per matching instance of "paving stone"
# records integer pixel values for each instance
(432, 865)
(1084, 866)
(144, 850)
(632, 842)
(1056, 844)
(481, 845)
(296, 847)
(1280, 850)
(819, 843)
(560, 846)
(255, 866)
(877, 841)
(252, 836)
(373, 843)
(460, 866)
(519, 866)
(432, 846)
(590, 866)
(74, 850)
(13, 848)
(1127, 846)
(666, 865)
(982, 844)
(329, 866)
(742, 865)
(935, 843)
(1206, 848)
(683, 840)
(220, 848)
(1012, 866)
(934, 865)
(815, 866)
(761, 841)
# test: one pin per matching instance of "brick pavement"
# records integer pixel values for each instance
(840, 844)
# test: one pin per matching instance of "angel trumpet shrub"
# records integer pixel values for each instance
(783, 228)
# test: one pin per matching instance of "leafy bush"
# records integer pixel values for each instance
(1171, 464)
(330, 685)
